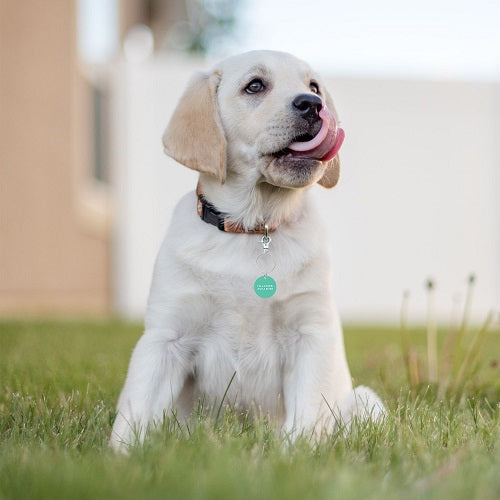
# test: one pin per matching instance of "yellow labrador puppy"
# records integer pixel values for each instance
(241, 299)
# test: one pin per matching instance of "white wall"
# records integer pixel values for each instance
(419, 194)
(418, 197)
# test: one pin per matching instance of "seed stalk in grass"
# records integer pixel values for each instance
(432, 368)
(460, 360)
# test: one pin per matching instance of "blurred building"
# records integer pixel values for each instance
(54, 212)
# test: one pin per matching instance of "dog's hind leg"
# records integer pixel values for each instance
(361, 403)
(159, 367)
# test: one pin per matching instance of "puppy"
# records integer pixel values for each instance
(241, 299)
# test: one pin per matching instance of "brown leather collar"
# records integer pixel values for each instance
(209, 214)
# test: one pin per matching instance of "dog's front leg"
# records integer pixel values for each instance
(315, 378)
(158, 370)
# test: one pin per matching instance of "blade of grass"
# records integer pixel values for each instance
(222, 401)
(467, 364)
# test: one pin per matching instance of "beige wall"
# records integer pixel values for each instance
(53, 244)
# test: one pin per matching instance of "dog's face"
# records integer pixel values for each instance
(263, 115)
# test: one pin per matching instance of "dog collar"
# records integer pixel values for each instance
(209, 214)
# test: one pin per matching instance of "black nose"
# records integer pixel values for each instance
(309, 105)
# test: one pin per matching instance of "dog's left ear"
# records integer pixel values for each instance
(194, 135)
(332, 172)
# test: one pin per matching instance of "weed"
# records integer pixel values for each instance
(451, 372)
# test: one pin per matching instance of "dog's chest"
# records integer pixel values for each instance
(249, 347)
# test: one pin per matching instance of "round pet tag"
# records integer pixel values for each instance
(265, 287)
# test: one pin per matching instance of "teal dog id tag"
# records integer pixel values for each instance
(265, 287)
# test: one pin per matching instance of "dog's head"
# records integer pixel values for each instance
(262, 114)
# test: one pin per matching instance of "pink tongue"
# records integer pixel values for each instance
(325, 144)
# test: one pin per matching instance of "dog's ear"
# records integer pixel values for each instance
(332, 172)
(194, 135)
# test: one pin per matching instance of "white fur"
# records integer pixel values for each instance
(204, 322)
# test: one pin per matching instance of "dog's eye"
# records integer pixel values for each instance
(314, 87)
(254, 87)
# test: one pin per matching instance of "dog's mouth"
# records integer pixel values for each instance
(322, 146)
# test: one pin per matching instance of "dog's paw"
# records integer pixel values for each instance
(362, 403)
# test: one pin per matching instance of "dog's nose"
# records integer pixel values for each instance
(308, 105)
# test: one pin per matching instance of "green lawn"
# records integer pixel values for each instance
(59, 382)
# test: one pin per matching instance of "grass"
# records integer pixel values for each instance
(59, 382)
